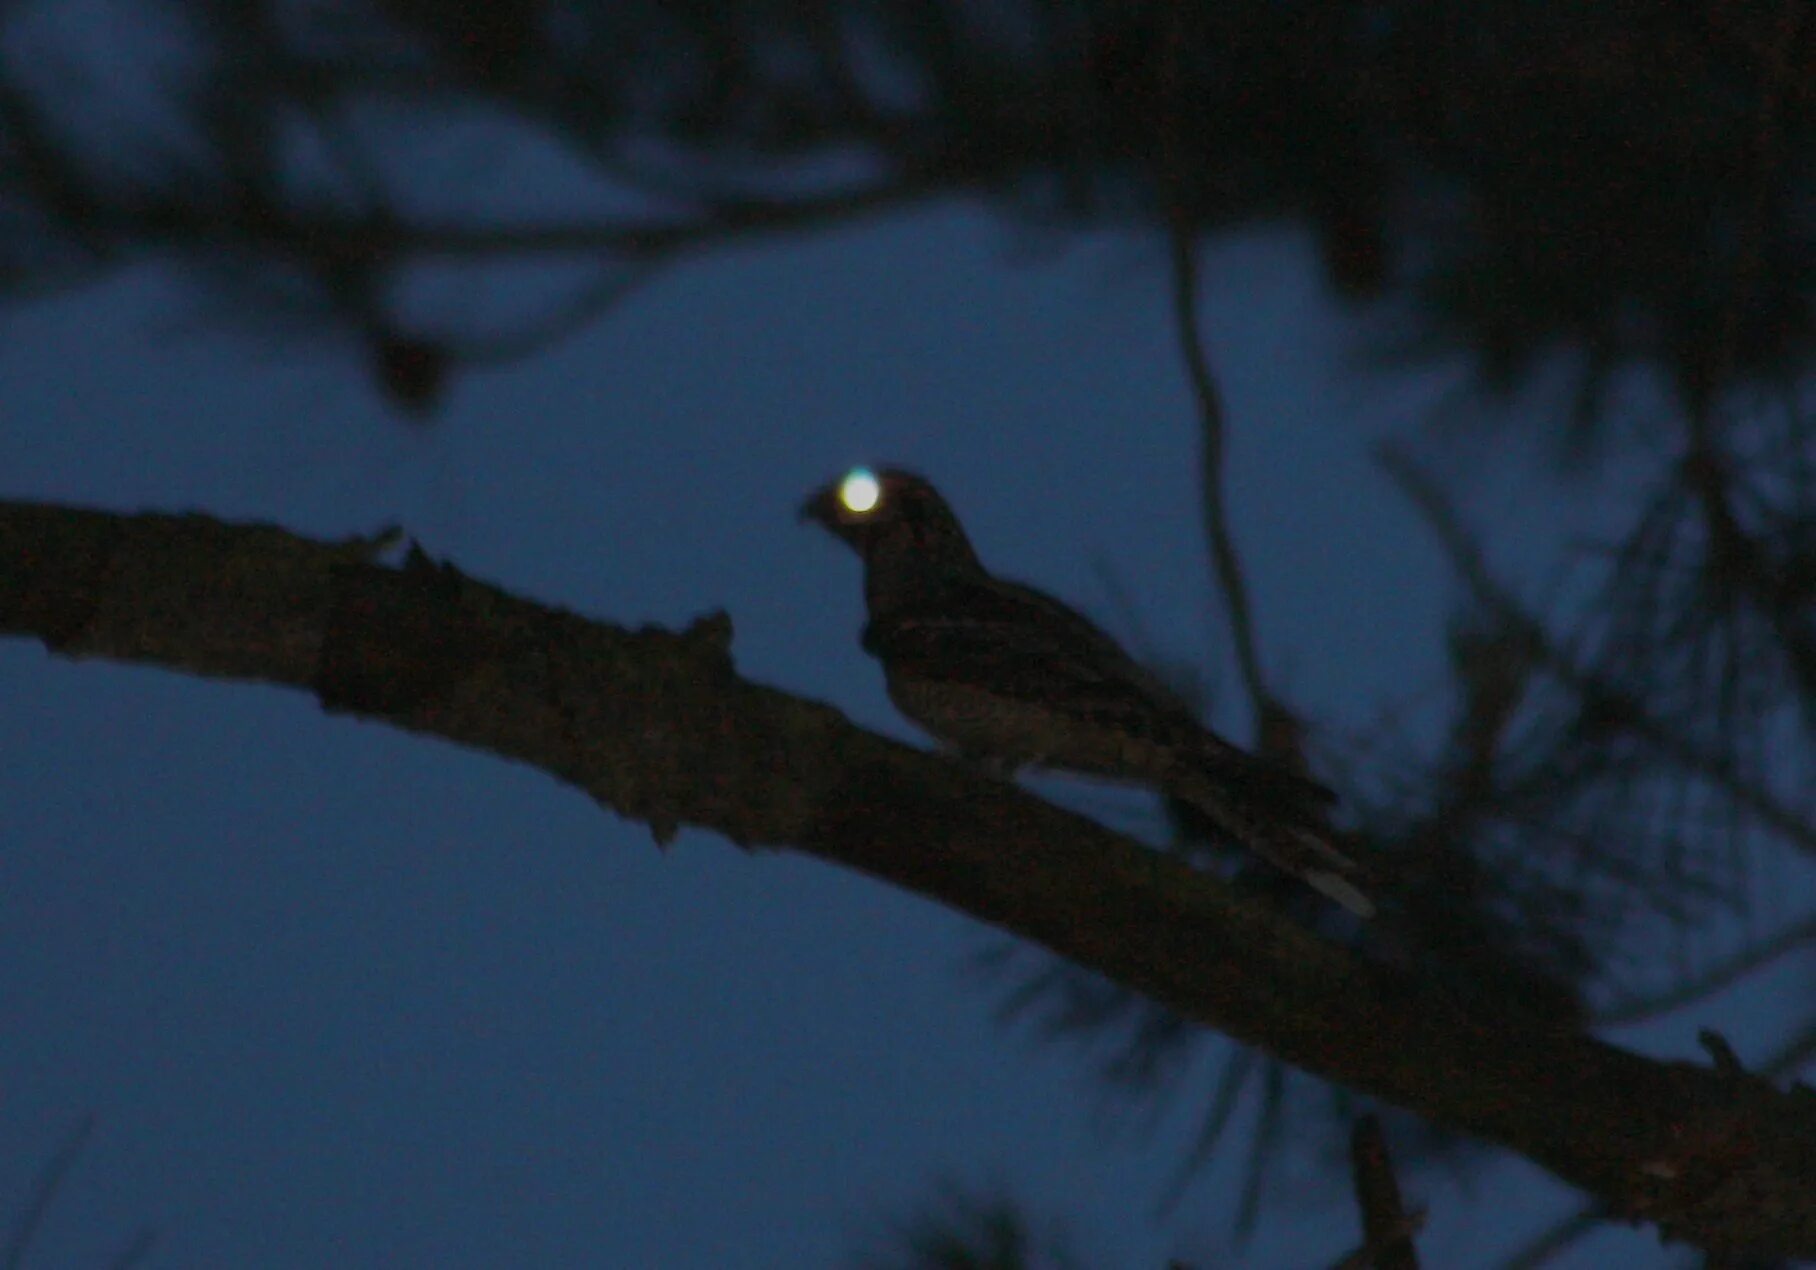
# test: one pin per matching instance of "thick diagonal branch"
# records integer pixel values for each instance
(659, 727)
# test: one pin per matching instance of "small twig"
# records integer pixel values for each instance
(1212, 421)
(721, 221)
(1387, 1227)
(1717, 977)
(1230, 1084)
(44, 1193)
(1263, 1145)
(1227, 563)
(1727, 1063)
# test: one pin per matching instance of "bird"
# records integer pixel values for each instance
(1012, 678)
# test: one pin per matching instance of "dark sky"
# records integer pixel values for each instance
(343, 997)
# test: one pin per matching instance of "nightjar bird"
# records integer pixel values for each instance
(1009, 676)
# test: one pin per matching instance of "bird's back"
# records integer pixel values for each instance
(998, 667)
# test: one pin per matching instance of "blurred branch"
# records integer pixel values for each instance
(1227, 1095)
(1787, 1062)
(1615, 708)
(1269, 1127)
(1212, 423)
(1776, 83)
(177, 225)
(1527, 178)
(659, 727)
(960, 1228)
(1387, 1226)
(45, 1189)
(44, 1194)
(1714, 979)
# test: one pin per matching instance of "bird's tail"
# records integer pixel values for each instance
(1304, 850)
(1326, 874)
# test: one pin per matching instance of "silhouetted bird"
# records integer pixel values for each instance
(1012, 677)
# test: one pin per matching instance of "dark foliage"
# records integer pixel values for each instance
(1629, 182)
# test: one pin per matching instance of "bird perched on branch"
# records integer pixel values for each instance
(1010, 676)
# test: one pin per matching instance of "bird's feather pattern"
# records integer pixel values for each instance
(1023, 646)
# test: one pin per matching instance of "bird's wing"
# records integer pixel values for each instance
(1020, 644)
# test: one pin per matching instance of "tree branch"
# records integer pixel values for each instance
(659, 727)
(714, 222)
(1798, 937)
(44, 1191)
(1387, 1226)
(1213, 423)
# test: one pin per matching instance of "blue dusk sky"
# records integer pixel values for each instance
(337, 996)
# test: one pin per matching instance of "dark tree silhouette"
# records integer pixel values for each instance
(1617, 197)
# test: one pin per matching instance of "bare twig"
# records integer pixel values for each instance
(1262, 1143)
(1212, 421)
(1722, 975)
(1387, 1227)
(1230, 1083)
(176, 225)
(44, 1193)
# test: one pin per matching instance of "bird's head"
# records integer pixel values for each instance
(891, 518)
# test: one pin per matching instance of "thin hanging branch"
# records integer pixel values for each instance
(1212, 421)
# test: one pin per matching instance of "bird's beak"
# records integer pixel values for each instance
(825, 509)
(822, 506)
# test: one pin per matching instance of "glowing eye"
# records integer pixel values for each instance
(859, 491)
